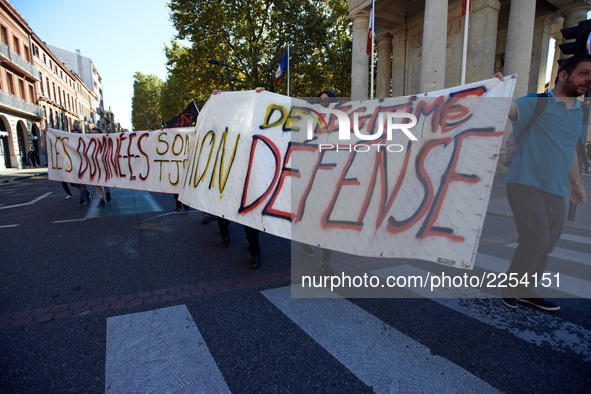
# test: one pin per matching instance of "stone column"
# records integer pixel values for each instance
(539, 56)
(360, 60)
(482, 39)
(434, 45)
(520, 35)
(384, 73)
(398, 61)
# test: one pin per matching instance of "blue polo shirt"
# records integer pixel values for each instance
(545, 157)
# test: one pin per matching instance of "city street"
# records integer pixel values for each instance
(135, 297)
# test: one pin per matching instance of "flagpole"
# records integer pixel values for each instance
(373, 34)
(465, 48)
(288, 70)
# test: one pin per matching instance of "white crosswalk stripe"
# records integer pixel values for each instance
(576, 238)
(163, 350)
(383, 357)
(159, 351)
(566, 254)
(478, 305)
(568, 284)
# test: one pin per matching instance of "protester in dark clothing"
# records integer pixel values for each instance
(33, 157)
(326, 97)
(85, 194)
(252, 234)
(67, 190)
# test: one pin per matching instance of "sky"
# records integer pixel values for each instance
(120, 36)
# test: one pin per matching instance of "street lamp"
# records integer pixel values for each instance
(215, 62)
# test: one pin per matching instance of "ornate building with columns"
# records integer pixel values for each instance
(419, 42)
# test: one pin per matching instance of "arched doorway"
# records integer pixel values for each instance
(22, 148)
(5, 145)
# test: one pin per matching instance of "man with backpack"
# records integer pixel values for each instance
(545, 159)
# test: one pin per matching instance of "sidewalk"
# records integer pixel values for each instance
(497, 206)
(14, 174)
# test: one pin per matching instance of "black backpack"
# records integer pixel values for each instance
(512, 142)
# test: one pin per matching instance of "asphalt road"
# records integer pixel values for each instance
(137, 297)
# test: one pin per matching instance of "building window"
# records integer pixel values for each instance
(32, 93)
(10, 83)
(17, 48)
(4, 35)
(21, 88)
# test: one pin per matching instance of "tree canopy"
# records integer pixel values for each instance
(145, 103)
(250, 37)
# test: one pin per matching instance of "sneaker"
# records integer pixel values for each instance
(101, 203)
(108, 196)
(540, 303)
(82, 204)
(226, 239)
(254, 262)
(68, 197)
(508, 298)
(326, 269)
(178, 209)
(509, 302)
(308, 250)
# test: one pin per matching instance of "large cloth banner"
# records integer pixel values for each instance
(405, 177)
(397, 177)
(140, 160)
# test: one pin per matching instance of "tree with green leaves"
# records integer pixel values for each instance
(253, 36)
(145, 103)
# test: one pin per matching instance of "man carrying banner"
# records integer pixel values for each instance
(252, 234)
(536, 184)
(85, 194)
(101, 191)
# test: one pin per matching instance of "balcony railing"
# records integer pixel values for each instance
(4, 51)
(9, 100)
(23, 64)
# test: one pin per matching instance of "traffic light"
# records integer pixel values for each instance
(581, 35)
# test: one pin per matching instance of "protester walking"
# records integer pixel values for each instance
(545, 159)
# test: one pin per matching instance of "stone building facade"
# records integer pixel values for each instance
(88, 73)
(419, 42)
(20, 116)
(39, 89)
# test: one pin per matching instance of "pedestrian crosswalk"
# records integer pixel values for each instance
(159, 351)
(163, 350)
(125, 202)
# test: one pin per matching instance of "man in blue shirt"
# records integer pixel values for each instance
(536, 184)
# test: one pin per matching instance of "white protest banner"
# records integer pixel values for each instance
(396, 177)
(140, 160)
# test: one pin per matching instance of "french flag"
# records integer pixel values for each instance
(370, 30)
(283, 67)
(465, 8)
